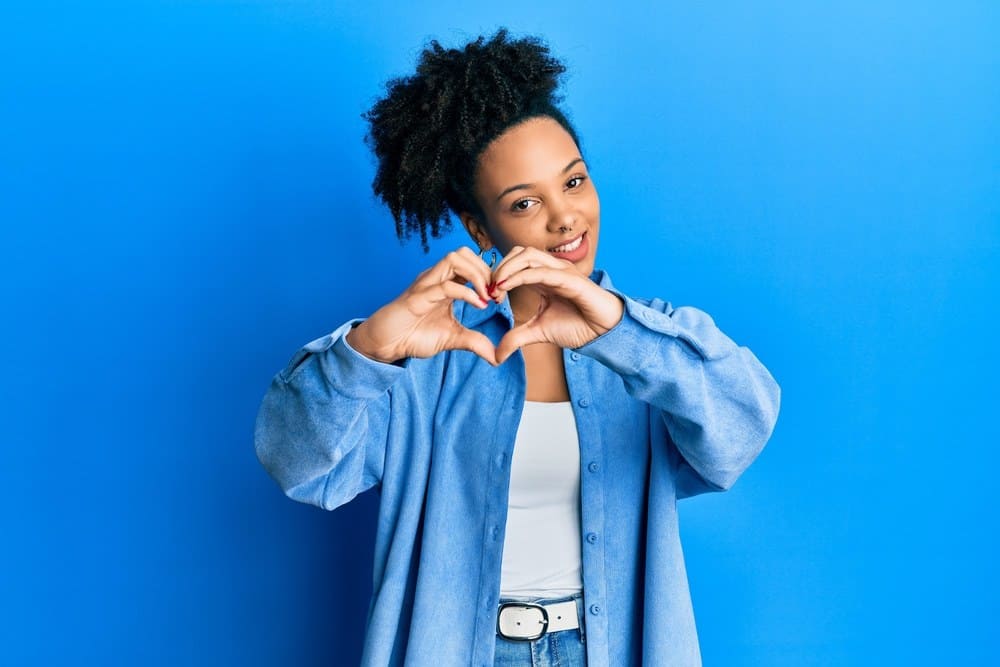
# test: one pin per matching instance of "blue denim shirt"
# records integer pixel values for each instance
(666, 405)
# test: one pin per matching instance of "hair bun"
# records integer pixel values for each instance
(509, 75)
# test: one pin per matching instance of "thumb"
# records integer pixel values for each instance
(516, 338)
(477, 343)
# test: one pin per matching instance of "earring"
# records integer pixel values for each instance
(493, 256)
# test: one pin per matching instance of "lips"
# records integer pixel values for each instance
(574, 250)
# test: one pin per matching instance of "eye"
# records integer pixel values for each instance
(575, 182)
(521, 205)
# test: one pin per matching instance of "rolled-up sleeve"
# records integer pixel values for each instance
(718, 401)
(321, 427)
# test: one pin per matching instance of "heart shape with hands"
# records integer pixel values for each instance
(572, 310)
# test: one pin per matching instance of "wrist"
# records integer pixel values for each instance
(358, 339)
(610, 316)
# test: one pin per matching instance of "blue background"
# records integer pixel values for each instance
(185, 200)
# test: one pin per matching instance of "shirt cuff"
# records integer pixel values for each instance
(348, 372)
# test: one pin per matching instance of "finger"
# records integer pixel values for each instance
(483, 273)
(471, 268)
(518, 337)
(468, 252)
(475, 342)
(564, 283)
(455, 265)
(499, 272)
(455, 292)
(527, 258)
(511, 254)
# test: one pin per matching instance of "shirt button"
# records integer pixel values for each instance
(595, 609)
(592, 537)
(575, 356)
(583, 402)
(593, 467)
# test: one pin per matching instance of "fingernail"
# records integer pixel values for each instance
(500, 283)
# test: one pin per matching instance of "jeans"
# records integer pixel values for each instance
(565, 648)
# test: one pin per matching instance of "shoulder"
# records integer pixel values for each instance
(603, 278)
(682, 315)
(692, 325)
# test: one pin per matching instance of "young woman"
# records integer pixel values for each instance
(529, 426)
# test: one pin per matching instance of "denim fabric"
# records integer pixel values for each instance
(666, 406)
(556, 649)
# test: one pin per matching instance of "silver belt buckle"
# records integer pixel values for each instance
(522, 621)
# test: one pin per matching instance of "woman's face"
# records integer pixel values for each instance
(534, 190)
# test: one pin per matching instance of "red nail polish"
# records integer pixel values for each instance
(500, 283)
(490, 287)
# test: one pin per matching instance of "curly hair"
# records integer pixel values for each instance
(428, 131)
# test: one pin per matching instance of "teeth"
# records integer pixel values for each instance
(569, 247)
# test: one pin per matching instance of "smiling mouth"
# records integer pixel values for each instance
(569, 247)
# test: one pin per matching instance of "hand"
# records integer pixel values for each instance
(572, 309)
(420, 322)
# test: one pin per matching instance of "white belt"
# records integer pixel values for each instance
(525, 621)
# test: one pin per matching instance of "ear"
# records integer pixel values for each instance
(476, 229)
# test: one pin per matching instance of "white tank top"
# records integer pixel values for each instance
(542, 550)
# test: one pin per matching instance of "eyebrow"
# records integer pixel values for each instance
(524, 186)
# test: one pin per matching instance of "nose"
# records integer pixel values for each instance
(563, 216)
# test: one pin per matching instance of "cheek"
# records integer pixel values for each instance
(504, 241)
(594, 212)
(519, 232)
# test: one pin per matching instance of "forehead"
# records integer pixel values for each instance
(535, 150)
